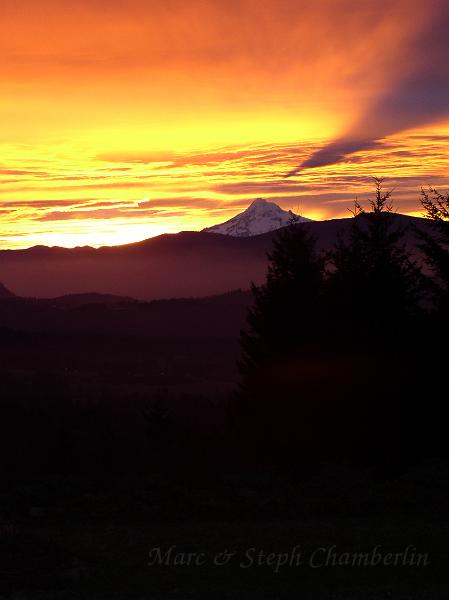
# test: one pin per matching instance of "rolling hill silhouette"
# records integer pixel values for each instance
(214, 317)
(187, 264)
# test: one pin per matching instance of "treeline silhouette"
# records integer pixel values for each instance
(343, 360)
(345, 355)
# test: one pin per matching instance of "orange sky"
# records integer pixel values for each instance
(125, 119)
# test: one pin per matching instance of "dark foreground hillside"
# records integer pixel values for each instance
(94, 346)
(118, 449)
(194, 319)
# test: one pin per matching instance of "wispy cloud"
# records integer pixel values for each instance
(417, 95)
(209, 187)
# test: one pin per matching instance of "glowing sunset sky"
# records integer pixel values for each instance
(121, 120)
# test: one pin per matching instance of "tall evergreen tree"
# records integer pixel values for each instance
(283, 316)
(283, 324)
(434, 354)
(376, 291)
(436, 245)
(374, 283)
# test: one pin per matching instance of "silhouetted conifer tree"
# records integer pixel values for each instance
(284, 321)
(434, 350)
(376, 292)
(436, 246)
(283, 316)
(375, 285)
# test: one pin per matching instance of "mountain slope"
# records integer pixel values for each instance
(5, 293)
(168, 266)
(260, 217)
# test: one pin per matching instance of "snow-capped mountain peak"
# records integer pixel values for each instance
(261, 216)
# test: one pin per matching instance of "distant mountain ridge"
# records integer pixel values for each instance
(186, 264)
(260, 217)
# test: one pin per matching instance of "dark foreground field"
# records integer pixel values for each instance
(91, 492)
(66, 539)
